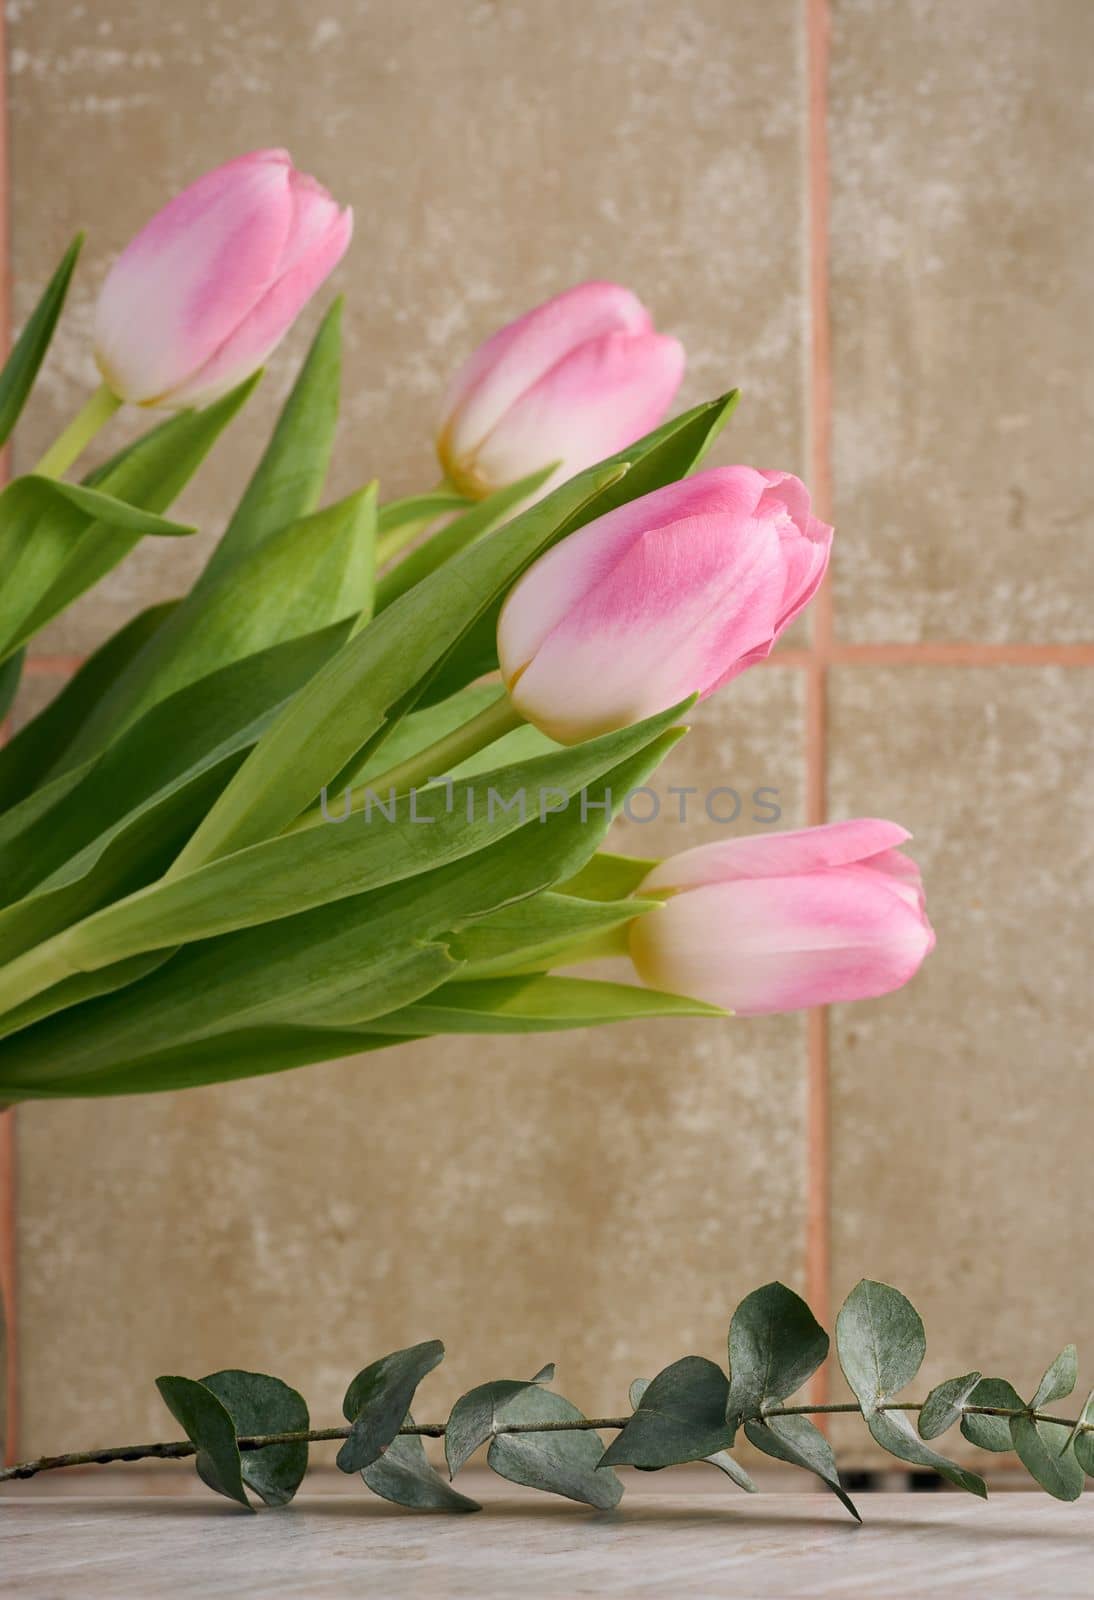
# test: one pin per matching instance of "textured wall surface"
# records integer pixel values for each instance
(603, 1199)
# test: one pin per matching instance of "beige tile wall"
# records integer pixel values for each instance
(604, 1199)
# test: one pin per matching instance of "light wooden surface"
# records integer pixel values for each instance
(706, 1543)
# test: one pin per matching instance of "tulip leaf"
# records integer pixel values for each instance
(533, 1003)
(881, 1345)
(40, 744)
(316, 571)
(419, 508)
(403, 1474)
(208, 1425)
(379, 1398)
(775, 1344)
(11, 672)
(800, 1443)
(1043, 1450)
(288, 481)
(681, 1416)
(1059, 1380)
(565, 1463)
(609, 877)
(464, 529)
(147, 475)
(944, 1405)
(533, 934)
(43, 522)
(474, 1417)
(335, 966)
(258, 1404)
(991, 1433)
(21, 367)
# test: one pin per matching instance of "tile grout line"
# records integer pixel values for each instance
(8, 1303)
(819, 399)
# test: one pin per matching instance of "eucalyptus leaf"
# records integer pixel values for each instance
(208, 1425)
(944, 1405)
(379, 1398)
(720, 1458)
(775, 1344)
(1081, 1438)
(403, 1474)
(474, 1417)
(1043, 1451)
(21, 367)
(800, 1442)
(288, 480)
(1059, 1380)
(991, 1433)
(680, 1417)
(565, 1463)
(881, 1345)
(258, 1404)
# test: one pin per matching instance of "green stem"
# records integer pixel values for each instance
(78, 435)
(436, 761)
(173, 1449)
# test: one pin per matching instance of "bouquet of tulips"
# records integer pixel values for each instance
(351, 789)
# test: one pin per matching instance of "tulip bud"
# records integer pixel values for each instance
(666, 597)
(203, 294)
(783, 920)
(575, 380)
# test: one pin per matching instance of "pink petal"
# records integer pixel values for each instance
(518, 355)
(192, 274)
(781, 854)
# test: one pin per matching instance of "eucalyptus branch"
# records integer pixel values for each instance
(179, 1449)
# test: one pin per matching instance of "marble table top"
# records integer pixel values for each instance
(709, 1542)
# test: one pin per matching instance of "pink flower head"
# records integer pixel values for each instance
(575, 380)
(783, 920)
(206, 290)
(668, 596)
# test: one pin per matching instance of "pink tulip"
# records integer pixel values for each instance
(575, 380)
(668, 596)
(783, 920)
(203, 294)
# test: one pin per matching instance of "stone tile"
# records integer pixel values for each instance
(960, 1167)
(963, 331)
(494, 155)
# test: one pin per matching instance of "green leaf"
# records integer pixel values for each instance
(1081, 1438)
(943, 1406)
(565, 1463)
(1042, 1450)
(533, 1004)
(147, 475)
(379, 1398)
(881, 1345)
(11, 671)
(681, 1416)
(609, 877)
(474, 1417)
(288, 481)
(208, 1425)
(335, 966)
(799, 1442)
(259, 1404)
(529, 935)
(720, 1458)
(314, 572)
(21, 367)
(991, 1433)
(324, 863)
(40, 746)
(420, 508)
(775, 1344)
(1059, 1380)
(404, 1475)
(457, 535)
(43, 524)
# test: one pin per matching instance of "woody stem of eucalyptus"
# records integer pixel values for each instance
(176, 1449)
